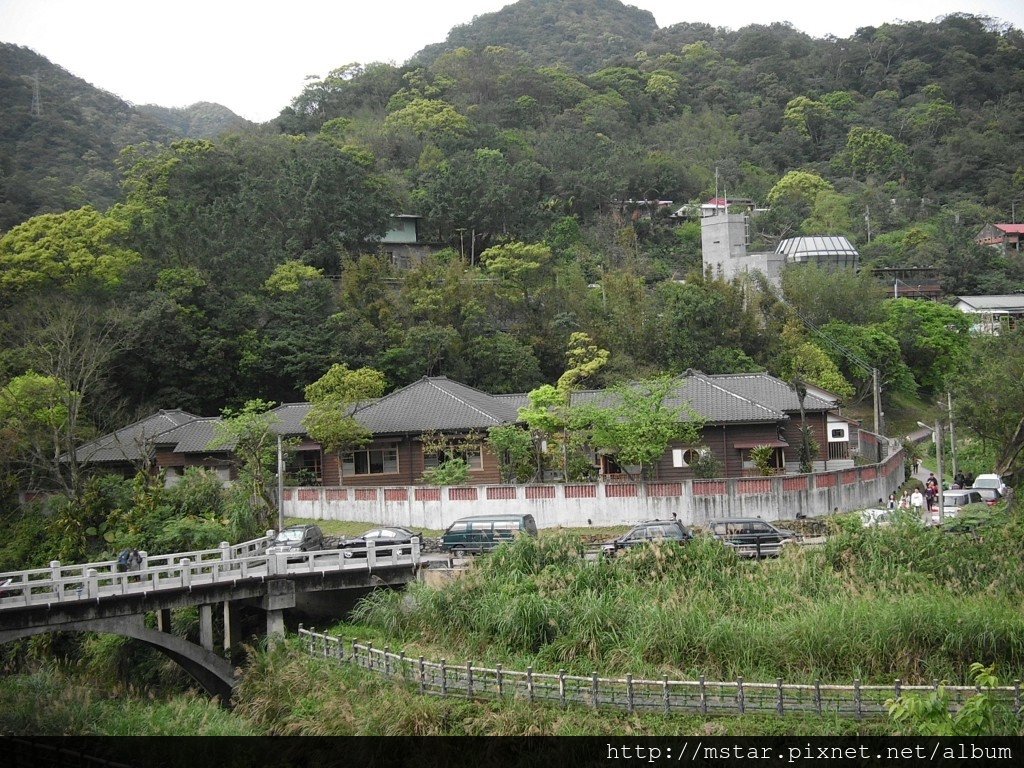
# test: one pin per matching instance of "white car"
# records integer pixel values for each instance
(873, 518)
(953, 502)
(991, 481)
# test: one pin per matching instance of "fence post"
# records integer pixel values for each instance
(423, 675)
(469, 679)
(817, 695)
(740, 701)
(444, 678)
(186, 572)
(355, 652)
(369, 655)
(561, 687)
(703, 695)
(856, 698)
(897, 688)
(499, 680)
(593, 690)
(58, 588)
(92, 585)
(630, 704)
(664, 685)
(387, 665)
(1016, 698)
(778, 701)
(327, 641)
(529, 684)
(405, 670)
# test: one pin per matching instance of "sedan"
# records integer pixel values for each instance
(382, 538)
(645, 533)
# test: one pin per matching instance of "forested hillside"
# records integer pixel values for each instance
(60, 136)
(245, 266)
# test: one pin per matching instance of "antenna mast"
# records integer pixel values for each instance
(37, 105)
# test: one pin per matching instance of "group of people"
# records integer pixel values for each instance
(930, 497)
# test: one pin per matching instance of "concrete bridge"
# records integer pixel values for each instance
(96, 597)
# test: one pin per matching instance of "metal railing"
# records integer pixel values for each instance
(631, 694)
(227, 564)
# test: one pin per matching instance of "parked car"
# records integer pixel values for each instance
(953, 502)
(992, 496)
(990, 481)
(876, 518)
(384, 538)
(647, 532)
(485, 532)
(752, 537)
(298, 538)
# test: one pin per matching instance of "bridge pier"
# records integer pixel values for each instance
(232, 628)
(206, 626)
(280, 595)
(163, 619)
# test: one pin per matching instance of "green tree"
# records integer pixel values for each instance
(248, 432)
(35, 425)
(334, 397)
(871, 153)
(80, 249)
(932, 338)
(639, 428)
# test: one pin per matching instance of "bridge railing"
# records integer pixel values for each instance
(84, 582)
(636, 694)
(58, 572)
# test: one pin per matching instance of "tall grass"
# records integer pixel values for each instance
(876, 604)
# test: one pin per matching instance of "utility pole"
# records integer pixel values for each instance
(952, 434)
(939, 445)
(876, 391)
(280, 486)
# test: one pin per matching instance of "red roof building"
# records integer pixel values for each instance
(1005, 236)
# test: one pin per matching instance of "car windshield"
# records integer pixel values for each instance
(987, 482)
(290, 535)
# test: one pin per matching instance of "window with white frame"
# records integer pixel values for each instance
(371, 461)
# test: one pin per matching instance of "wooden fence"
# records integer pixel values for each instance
(634, 695)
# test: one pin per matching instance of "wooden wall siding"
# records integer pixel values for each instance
(581, 492)
(427, 494)
(709, 488)
(462, 493)
(501, 492)
(396, 494)
(410, 467)
(540, 492)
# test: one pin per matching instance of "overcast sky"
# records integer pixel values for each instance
(253, 56)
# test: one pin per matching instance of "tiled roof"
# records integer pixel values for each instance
(770, 391)
(435, 403)
(196, 437)
(130, 443)
(713, 401)
(1011, 229)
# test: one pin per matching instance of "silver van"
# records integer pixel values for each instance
(485, 532)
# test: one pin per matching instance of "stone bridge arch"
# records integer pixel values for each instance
(215, 674)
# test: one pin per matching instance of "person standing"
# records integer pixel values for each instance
(917, 501)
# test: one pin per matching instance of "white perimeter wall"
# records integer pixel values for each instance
(603, 504)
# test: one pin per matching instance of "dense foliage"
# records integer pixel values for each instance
(906, 602)
(246, 266)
